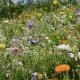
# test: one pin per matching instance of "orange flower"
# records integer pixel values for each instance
(62, 68)
(65, 41)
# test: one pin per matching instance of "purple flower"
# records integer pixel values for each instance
(34, 76)
(33, 41)
(30, 25)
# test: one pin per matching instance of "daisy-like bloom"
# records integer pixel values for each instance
(64, 47)
(2, 45)
(62, 68)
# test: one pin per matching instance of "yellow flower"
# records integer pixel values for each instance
(62, 13)
(2, 45)
(40, 76)
(55, 2)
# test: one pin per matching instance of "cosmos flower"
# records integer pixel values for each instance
(62, 68)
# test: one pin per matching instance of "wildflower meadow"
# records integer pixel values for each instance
(40, 40)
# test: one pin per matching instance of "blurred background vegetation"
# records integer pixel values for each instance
(12, 9)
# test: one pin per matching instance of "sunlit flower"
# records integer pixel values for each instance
(62, 68)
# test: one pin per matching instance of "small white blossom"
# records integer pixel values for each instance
(71, 55)
(64, 47)
(20, 63)
(35, 73)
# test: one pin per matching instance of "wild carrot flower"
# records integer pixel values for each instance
(62, 68)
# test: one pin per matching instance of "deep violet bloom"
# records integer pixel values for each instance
(30, 25)
(33, 42)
